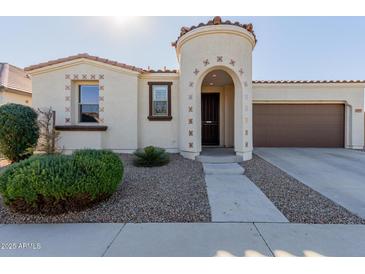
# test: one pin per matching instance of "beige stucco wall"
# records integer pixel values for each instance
(72, 140)
(124, 97)
(120, 103)
(234, 57)
(158, 133)
(352, 95)
(10, 96)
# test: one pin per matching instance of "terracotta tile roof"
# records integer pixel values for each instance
(15, 78)
(160, 71)
(98, 59)
(308, 81)
(216, 21)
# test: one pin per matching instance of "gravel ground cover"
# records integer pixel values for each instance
(172, 193)
(298, 202)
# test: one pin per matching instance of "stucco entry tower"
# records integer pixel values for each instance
(223, 46)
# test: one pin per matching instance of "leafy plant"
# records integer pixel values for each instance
(151, 156)
(58, 183)
(48, 136)
(18, 131)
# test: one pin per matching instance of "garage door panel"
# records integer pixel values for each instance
(298, 125)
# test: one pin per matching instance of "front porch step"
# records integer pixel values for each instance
(219, 159)
(223, 169)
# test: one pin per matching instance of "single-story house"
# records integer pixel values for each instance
(15, 85)
(211, 100)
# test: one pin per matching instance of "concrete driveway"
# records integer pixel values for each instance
(338, 174)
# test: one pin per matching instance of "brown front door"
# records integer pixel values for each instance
(210, 119)
(298, 125)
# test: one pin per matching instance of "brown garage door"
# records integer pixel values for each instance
(298, 125)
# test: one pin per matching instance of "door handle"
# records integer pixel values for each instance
(208, 122)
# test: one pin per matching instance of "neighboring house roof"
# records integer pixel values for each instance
(308, 81)
(98, 59)
(15, 78)
(216, 21)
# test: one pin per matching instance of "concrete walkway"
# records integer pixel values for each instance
(234, 198)
(182, 239)
(336, 173)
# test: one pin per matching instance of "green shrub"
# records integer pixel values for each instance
(18, 131)
(151, 156)
(59, 183)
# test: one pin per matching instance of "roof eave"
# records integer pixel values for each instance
(65, 64)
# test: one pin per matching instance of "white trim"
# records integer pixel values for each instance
(159, 76)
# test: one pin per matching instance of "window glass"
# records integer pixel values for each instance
(160, 100)
(89, 103)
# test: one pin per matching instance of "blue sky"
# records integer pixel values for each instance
(288, 47)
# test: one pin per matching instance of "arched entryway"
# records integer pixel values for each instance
(217, 110)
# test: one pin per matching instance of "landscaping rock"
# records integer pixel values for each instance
(172, 193)
(298, 202)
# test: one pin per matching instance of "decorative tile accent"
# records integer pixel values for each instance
(241, 71)
(67, 120)
(196, 71)
(92, 77)
(101, 120)
(101, 109)
(190, 121)
(67, 109)
(101, 87)
(101, 98)
(101, 76)
(206, 62)
(191, 84)
(68, 98)
(190, 97)
(75, 76)
(245, 84)
(67, 76)
(219, 59)
(191, 145)
(232, 62)
(190, 132)
(84, 77)
(190, 109)
(246, 132)
(67, 87)
(246, 144)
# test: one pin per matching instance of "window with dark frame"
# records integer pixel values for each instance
(159, 101)
(88, 103)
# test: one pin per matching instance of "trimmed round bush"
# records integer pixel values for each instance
(19, 131)
(53, 184)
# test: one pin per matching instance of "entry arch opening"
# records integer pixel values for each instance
(217, 110)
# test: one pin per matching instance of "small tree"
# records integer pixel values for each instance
(18, 131)
(48, 136)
